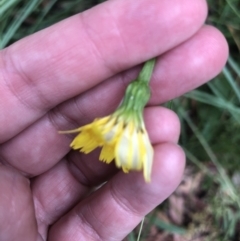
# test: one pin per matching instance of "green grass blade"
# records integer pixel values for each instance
(140, 230)
(169, 227)
(234, 66)
(44, 12)
(18, 21)
(131, 237)
(232, 82)
(224, 179)
(6, 5)
(234, 9)
(214, 101)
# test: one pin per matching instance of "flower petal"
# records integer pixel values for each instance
(127, 152)
(85, 142)
(147, 157)
(112, 130)
(107, 153)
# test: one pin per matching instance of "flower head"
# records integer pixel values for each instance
(122, 135)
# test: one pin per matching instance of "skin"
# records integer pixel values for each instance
(65, 76)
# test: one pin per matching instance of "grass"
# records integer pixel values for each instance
(210, 118)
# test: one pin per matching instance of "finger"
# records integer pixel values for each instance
(17, 219)
(54, 193)
(174, 74)
(57, 190)
(123, 201)
(186, 67)
(72, 56)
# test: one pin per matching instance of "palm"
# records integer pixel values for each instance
(67, 75)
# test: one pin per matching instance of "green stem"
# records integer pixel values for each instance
(146, 72)
(138, 93)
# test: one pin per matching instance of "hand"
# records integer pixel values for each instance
(65, 76)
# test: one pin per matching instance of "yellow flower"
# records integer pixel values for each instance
(124, 141)
(122, 135)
